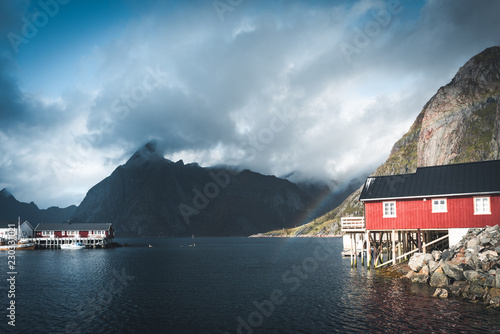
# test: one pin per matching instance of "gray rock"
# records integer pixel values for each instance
(419, 278)
(454, 271)
(492, 229)
(497, 284)
(439, 280)
(495, 301)
(433, 266)
(441, 293)
(418, 260)
(472, 243)
(471, 275)
(476, 292)
(436, 255)
(490, 281)
(484, 241)
(447, 255)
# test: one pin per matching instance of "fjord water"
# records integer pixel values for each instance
(224, 285)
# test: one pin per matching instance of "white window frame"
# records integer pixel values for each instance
(481, 211)
(439, 207)
(390, 215)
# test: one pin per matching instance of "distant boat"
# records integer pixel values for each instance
(73, 245)
(151, 246)
(18, 246)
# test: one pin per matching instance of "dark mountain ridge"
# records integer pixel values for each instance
(153, 196)
(11, 209)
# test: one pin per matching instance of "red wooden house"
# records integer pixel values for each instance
(54, 234)
(458, 196)
(438, 203)
(67, 230)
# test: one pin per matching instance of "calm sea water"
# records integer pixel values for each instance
(223, 285)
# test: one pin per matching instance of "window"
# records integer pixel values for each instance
(389, 209)
(482, 206)
(439, 205)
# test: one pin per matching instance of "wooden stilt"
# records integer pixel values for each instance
(355, 252)
(368, 250)
(351, 251)
(393, 247)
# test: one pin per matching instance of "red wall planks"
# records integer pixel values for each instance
(417, 213)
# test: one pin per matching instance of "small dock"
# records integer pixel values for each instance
(55, 243)
(388, 247)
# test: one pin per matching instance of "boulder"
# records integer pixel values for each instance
(476, 292)
(454, 270)
(495, 301)
(484, 241)
(497, 284)
(439, 280)
(488, 265)
(457, 287)
(418, 260)
(472, 243)
(471, 275)
(419, 278)
(433, 266)
(425, 270)
(492, 229)
(436, 255)
(447, 255)
(494, 292)
(490, 281)
(410, 274)
(441, 293)
(472, 262)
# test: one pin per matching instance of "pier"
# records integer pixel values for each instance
(55, 243)
(389, 247)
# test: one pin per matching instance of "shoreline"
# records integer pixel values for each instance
(470, 270)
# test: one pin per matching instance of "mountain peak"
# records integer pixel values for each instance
(5, 193)
(481, 70)
(149, 152)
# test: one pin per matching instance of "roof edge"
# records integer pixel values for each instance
(430, 196)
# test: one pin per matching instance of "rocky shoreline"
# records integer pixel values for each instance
(470, 269)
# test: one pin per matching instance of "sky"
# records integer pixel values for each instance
(319, 90)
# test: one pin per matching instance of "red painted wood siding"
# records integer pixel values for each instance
(417, 213)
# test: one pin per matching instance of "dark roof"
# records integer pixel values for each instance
(72, 227)
(6, 225)
(473, 178)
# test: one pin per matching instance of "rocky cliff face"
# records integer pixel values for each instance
(460, 123)
(152, 196)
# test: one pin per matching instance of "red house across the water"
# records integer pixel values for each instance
(432, 203)
(90, 234)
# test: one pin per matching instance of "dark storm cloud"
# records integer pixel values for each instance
(268, 87)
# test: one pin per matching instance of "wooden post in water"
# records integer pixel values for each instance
(362, 236)
(351, 250)
(368, 250)
(419, 241)
(355, 252)
(400, 245)
(393, 247)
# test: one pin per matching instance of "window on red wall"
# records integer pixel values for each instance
(482, 206)
(389, 209)
(439, 205)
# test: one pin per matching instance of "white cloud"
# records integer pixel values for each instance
(223, 85)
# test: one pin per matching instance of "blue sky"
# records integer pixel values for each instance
(319, 88)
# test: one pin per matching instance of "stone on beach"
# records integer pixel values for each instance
(470, 269)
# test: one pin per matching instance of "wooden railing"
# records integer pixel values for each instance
(353, 224)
